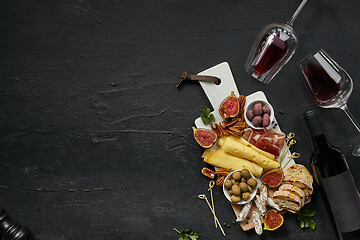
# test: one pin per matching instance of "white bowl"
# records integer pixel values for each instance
(251, 105)
(252, 195)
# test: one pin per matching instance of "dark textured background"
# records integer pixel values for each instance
(96, 141)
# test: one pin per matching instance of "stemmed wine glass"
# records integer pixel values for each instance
(272, 49)
(330, 84)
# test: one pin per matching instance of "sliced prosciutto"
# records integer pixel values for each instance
(252, 135)
(270, 141)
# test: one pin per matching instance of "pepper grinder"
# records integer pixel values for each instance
(12, 231)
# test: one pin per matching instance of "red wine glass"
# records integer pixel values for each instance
(330, 84)
(272, 49)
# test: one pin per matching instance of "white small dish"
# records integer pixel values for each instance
(252, 195)
(250, 107)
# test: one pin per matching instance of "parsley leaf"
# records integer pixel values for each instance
(187, 234)
(312, 224)
(206, 117)
(304, 218)
(308, 213)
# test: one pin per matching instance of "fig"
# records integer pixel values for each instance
(205, 137)
(272, 178)
(230, 106)
(273, 220)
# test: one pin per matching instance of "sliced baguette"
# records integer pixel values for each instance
(307, 200)
(287, 200)
(300, 183)
(298, 170)
(295, 190)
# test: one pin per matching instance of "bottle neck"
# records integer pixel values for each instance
(316, 131)
(320, 142)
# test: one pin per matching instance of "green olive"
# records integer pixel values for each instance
(228, 184)
(243, 180)
(236, 176)
(229, 192)
(243, 187)
(232, 181)
(235, 189)
(250, 189)
(252, 182)
(235, 183)
(245, 173)
(246, 195)
(235, 199)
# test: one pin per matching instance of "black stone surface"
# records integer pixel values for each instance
(96, 141)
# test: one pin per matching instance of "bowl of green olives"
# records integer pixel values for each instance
(259, 114)
(240, 186)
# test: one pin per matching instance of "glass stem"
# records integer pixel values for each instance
(296, 13)
(353, 120)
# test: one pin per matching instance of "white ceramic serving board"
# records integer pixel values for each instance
(217, 93)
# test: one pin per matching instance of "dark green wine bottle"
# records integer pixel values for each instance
(337, 186)
(10, 230)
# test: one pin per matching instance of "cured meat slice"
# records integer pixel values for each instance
(272, 141)
(252, 135)
(257, 223)
(268, 140)
(244, 212)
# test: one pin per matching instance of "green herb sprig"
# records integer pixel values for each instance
(187, 234)
(304, 218)
(206, 117)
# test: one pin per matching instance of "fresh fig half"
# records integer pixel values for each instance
(273, 220)
(229, 107)
(205, 137)
(272, 178)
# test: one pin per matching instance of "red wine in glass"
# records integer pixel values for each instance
(322, 85)
(271, 50)
(330, 85)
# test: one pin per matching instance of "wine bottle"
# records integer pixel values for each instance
(10, 230)
(336, 183)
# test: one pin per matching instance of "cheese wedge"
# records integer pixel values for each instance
(246, 143)
(221, 140)
(240, 150)
(207, 152)
(220, 158)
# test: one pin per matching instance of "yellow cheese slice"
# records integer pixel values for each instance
(238, 149)
(207, 152)
(246, 143)
(221, 140)
(220, 158)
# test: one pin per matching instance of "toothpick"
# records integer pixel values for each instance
(292, 142)
(202, 196)
(211, 185)
(293, 156)
(287, 139)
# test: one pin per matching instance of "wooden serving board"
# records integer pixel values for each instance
(216, 94)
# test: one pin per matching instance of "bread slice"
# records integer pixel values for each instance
(301, 183)
(287, 200)
(295, 190)
(300, 171)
